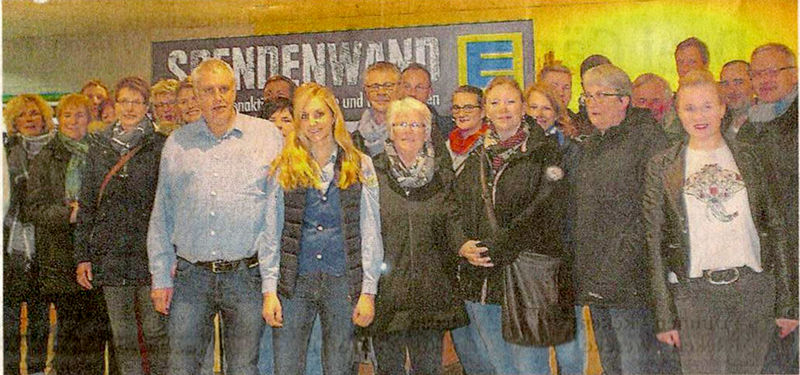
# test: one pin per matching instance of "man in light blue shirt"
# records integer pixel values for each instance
(207, 228)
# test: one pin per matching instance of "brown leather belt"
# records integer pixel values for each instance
(222, 266)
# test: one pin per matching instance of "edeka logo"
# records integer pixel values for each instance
(482, 57)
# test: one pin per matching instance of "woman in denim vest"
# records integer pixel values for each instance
(327, 248)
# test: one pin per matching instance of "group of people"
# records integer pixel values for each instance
(672, 216)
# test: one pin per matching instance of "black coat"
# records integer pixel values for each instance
(529, 208)
(418, 289)
(668, 237)
(46, 209)
(20, 276)
(113, 235)
(776, 141)
(607, 231)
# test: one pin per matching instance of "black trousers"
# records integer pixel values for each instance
(82, 330)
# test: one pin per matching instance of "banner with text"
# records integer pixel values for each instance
(455, 54)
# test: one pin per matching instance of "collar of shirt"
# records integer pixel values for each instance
(554, 130)
(327, 171)
(234, 131)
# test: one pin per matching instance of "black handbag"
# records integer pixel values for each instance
(533, 313)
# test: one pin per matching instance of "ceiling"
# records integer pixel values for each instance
(37, 18)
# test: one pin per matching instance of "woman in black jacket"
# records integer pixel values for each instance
(52, 205)
(30, 121)
(417, 300)
(716, 242)
(111, 243)
(524, 183)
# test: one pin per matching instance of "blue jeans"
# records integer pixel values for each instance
(482, 350)
(627, 344)
(424, 351)
(782, 354)
(199, 294)
(266, 360)
(122, 303)
(315, 295)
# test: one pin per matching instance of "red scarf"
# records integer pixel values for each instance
(460, 144)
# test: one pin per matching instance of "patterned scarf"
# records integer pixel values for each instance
(460, 144)
(34, 144)
(499, 151)
(765, 112)
(419, 173)
(75, 166)
(123, 141)
(374, 134)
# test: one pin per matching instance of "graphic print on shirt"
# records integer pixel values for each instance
(714, 186)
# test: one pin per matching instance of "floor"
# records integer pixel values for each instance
(452, 367)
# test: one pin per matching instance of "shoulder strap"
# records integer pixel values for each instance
(487, 200)
(113, 171)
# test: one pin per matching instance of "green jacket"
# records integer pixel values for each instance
(45, 208)
(667, 233)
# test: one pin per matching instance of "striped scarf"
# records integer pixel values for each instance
(498, 150)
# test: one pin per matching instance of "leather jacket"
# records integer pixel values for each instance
(667, 229)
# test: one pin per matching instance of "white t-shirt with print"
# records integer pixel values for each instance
(721, 229)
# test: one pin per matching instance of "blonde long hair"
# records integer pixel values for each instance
(295, 167)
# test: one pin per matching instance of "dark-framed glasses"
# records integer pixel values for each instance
(469, 108)
(771, 72)
(409, 125)
(388, 86)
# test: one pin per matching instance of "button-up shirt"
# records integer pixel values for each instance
(369, 223)
(211, 200)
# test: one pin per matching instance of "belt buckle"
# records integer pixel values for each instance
(708, 276)
(221, 266)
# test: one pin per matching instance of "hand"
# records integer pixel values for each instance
(73, 215)
(787, 326)
(365, 310)
(474, 254)
(670, 338)
(84, 275)
(272, 311)
(162, 298)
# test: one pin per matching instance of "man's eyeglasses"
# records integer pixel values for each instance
(585, 97)
(771, 73)
(388, 86)
(469, 108)
(412, 125)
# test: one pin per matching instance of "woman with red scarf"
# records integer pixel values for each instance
(468, 115)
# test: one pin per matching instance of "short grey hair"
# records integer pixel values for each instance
(609, 75)
(409, 104)
(651, 77)
(211, 65)
(791, 58)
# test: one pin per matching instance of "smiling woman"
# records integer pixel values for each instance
(116, 260)
(56, 177)
(733, 242)
(30, 120)
(326, 220)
